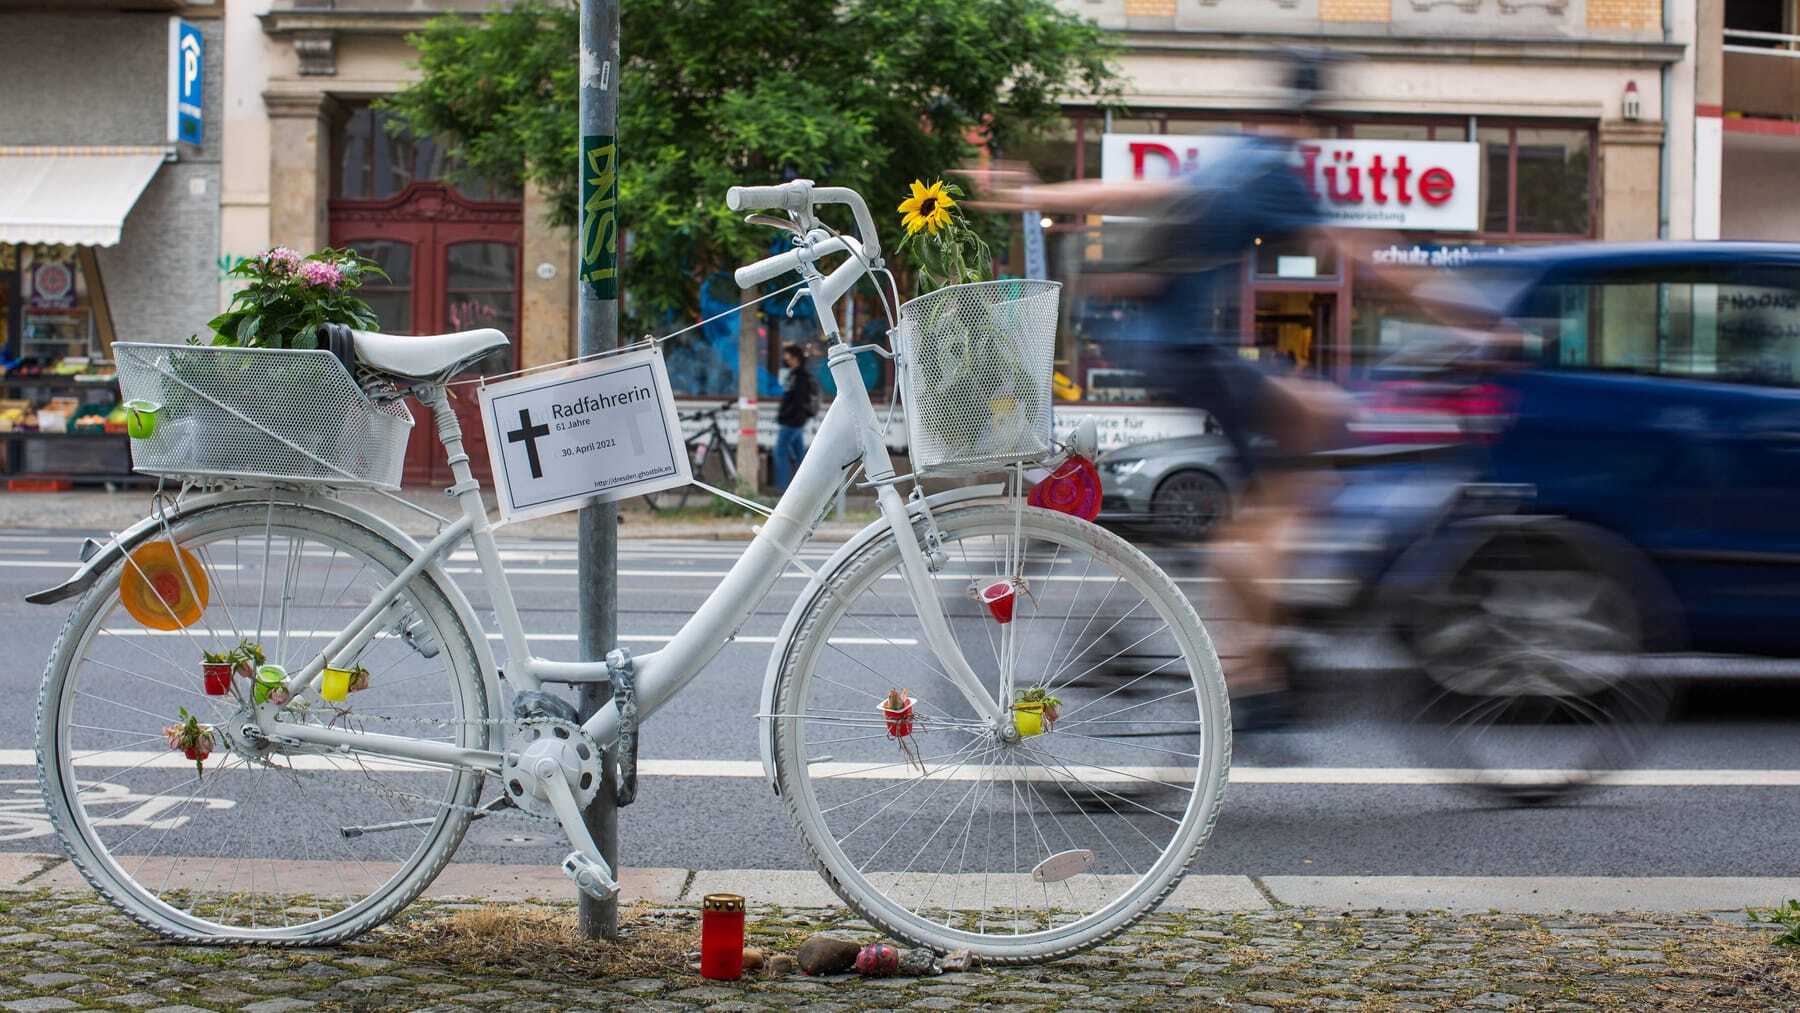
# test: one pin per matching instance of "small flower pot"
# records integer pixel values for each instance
(334, 685)
(899, 722)
(197, 752)
(1028, 718)
(140, 418)
(268, 679)
(998, 597)
(217, 676)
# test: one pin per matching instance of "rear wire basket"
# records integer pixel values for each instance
(260, 415)
(976, 364)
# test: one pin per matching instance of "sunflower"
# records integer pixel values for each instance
(928, 208)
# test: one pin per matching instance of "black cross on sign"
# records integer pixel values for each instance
(528, 434)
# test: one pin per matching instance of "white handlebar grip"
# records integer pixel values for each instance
(759, 198)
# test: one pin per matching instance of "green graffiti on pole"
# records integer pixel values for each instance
(600, 215)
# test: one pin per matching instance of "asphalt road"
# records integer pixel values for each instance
(1390, 825)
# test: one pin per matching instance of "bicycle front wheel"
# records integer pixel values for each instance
(954, 835)
(251, 843)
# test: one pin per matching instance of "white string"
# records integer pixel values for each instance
(647, 341)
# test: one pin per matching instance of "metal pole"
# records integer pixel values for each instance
(749, 454)
(597, 558)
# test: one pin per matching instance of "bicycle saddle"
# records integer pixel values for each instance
(410, 357)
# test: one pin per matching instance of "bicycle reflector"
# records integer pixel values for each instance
(1073, 488)
(159, 592)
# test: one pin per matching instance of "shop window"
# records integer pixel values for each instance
(1051, 154)
(1391, 131)
(1205, 127)
(377, 157)
(54, 316)
(1758, 16)
(1496, 178)
(1552, 184)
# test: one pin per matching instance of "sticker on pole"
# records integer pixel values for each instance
(601, 430)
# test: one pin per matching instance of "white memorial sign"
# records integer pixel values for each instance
(601, 430)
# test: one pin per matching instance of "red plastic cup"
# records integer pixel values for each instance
(900, 722)
(998, 597)
(722, 937)
(217, 676)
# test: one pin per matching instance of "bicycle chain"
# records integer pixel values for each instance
(368, 786)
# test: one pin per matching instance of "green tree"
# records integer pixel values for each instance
(862, 93)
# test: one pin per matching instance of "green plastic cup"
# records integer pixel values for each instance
(140, 420)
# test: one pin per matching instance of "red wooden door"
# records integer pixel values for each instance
(452, 264)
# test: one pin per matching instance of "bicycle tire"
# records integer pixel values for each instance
(838, 596)
(157, 908)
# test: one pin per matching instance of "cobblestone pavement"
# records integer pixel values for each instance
(63, 953)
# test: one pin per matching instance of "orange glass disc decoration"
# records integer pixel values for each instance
(154, 591)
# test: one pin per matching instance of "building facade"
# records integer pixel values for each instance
(1451, 126)
(109, 210)
(1748, 111)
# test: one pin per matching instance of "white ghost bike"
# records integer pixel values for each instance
(980, 815)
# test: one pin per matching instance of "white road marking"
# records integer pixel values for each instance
(635, 638)
(898, 770)
(72, 565)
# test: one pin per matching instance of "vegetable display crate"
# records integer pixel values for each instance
(260, 415)
(976, 367)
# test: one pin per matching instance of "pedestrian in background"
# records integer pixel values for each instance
(799, 403)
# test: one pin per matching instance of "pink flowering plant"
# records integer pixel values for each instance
(290, 295)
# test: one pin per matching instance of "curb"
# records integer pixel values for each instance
(1599, 895)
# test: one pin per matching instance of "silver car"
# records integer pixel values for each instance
(1181, 487)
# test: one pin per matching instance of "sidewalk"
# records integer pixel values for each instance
(114, 511)
(59, 952)
(62, 949)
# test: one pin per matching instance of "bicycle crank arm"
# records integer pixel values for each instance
(583, 865)
(493, 806)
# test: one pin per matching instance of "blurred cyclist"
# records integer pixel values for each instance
(1185, 271)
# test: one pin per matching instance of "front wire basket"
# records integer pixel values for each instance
(976, 365)
(260, 415)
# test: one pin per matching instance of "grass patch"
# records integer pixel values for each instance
(1787, 916)
(545, 943)
(1759, 975)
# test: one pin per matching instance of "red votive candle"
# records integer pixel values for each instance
(722, 937)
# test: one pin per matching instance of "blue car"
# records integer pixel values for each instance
(1590, 476)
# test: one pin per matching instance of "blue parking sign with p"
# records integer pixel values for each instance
(189, 74)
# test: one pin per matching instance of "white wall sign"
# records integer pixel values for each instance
(1360, 184)
(600, 430)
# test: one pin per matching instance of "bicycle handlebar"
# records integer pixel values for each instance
(782, 263)
(800, 197)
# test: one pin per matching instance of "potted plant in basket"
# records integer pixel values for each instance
(285, 299)
(966, 351)
(289, 296)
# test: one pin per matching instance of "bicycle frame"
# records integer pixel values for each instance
(849, 434)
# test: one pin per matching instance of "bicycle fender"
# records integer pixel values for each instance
(815, 585)
(88, 572)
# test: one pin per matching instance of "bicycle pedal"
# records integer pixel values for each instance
(591, 877)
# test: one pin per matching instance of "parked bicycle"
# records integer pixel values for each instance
(714, 461)
(941, 712)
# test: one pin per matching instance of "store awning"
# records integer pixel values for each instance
(71, 196)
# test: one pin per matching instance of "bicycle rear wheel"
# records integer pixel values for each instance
(255, 845)
(952, 837)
